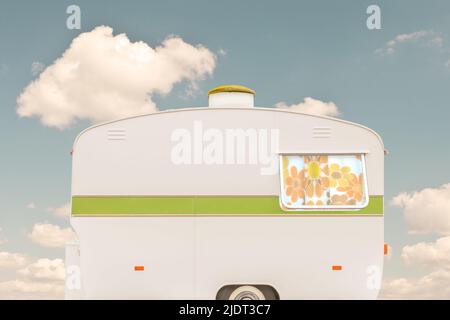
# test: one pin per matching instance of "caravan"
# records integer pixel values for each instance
(228, 201)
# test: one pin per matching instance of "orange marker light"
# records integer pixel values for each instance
(138, 268)
(336, 268)
(386, 249)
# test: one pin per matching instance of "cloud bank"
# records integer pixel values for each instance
(42, 279)
(435, 285)
(103, 77)
(432, 254)
(44, 269)
(426, 211)
(11, 260)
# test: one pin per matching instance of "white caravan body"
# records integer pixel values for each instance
(157, 221)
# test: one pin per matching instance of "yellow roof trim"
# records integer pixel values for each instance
(231, 88)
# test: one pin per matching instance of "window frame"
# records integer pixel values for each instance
(313, 208)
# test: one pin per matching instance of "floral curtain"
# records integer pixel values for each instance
(323, 180)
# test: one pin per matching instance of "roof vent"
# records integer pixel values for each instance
(231, 96)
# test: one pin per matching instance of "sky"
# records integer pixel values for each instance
(304, 55)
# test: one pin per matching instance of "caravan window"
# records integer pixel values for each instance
(323, 181)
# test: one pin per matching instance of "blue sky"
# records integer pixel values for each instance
(284, 50)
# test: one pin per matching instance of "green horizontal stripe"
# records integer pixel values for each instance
(199, 205)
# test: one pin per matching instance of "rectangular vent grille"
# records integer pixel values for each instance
(116, 134)
(321, 132)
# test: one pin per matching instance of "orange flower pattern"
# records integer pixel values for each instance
(295, 184)
(321, 180)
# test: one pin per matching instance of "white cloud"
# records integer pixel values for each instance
(391, 46)
(44, 269)
(435, 285)
(62, 211)
(432, 254)
(12, 260)
(31, 205)
(312, 106)
(408, 37)
(37, 67)
(26, 289)
(50, 235)
(43, 279)
(103, 77)
(426, 211)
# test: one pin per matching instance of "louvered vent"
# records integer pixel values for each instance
(116, 134)
(321, 132)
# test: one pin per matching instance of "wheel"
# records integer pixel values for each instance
(247, 292)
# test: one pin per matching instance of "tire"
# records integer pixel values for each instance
(247, 292)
